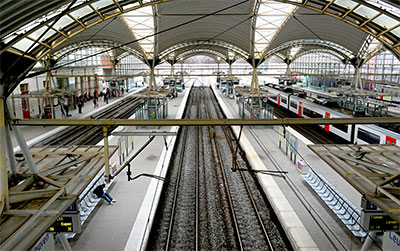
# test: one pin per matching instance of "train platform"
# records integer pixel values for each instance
(88, 109)
(326, 229)
(109, 227)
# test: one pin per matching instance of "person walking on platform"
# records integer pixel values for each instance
(80, 104)
(98, 191)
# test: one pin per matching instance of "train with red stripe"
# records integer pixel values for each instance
(360, 134)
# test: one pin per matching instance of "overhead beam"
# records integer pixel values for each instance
(204, 122)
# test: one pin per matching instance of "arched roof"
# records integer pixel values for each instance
(239, 24)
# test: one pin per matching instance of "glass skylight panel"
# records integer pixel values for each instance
(64, 21)
(23, 44)
(36, 34)
(141, 23)
(366, 11)
(396, 31)
(79, 13)
(348, 4)
(6, 40)
(385, 21)
(102, 3)
(270, 17)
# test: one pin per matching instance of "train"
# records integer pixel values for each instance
(353, 134)
(388, 89)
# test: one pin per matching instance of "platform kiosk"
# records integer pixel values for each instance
(231, 83)
(153, 108)
(255, 107)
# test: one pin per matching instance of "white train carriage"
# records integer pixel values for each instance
(362, 134)
(373, 134)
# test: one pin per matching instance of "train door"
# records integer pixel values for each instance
(300, 108)
(26, 113)
(279, 99)
(390, 140)
(327, 115)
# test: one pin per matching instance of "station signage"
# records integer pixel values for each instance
(383, 222)
(69, 222)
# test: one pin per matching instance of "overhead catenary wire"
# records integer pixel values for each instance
(136, 40)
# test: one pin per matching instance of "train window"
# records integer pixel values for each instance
(274, 98)
(293, 104)
(307, 112)
(341, 127)
(283, 100)
(368, 137)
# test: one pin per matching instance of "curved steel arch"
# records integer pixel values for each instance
(58, 55)
(346, 53)
(101, 12)
(351, 14)
(330, 52)
(221, 44)
(74, 24)
(193, 52)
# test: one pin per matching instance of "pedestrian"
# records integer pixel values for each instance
(106, 97)
(94, 103)
(80, 104)
(99, 192)
(122, 91)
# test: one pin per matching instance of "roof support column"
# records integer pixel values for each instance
(288, 72)
(152, 81)
(255, 87)
(4, 203)
(255, 62)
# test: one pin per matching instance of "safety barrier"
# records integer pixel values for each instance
(343, 208)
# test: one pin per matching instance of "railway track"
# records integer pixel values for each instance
(81, 135)
(206, 205)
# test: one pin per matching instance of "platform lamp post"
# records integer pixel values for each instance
(106, 154)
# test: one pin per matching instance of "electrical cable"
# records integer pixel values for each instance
(142, 38)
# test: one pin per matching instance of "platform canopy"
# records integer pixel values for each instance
(156, 30)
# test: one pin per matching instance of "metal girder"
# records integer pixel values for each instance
(106, 45)
(363, 166)
(152, 133)
(30, 195)
(204, 122)
(225, 45)
(346, 53)
(312, 51)
(201, 51)
(348, 15)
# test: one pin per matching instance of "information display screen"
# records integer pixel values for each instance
(62, 224)
(383, 222)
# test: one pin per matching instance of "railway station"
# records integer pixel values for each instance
(200, 125)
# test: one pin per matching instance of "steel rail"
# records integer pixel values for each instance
(250, 194)
(205, 122)
(197, 178)
(176, 191)
(226, 185)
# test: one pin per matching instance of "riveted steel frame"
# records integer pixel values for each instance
(205, 122)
